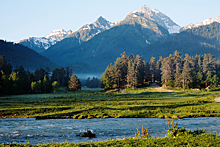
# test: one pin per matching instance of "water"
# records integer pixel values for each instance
(61, 130)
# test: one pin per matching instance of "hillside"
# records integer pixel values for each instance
(17, 55)
(200, 40)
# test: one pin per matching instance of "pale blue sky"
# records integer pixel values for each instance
(37, 18)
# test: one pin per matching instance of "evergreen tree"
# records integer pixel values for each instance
(166, 71)
(117, 72)
(153, 68)
(158, 66)
(186, 76)
(140, 64)
(123, 64)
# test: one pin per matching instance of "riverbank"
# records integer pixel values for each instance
(200, 140)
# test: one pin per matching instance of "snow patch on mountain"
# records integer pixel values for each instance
(58, 35)
(43, 43)
(204, 22)
(159, 18)
(88, 31)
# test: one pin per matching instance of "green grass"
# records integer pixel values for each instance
(143, 102)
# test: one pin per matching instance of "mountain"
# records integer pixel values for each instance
(200, 40)
(40, 44)
(138, 30)
(159, 18)
(17, 55)
(80, 36)
(204, 22)
(58, 35)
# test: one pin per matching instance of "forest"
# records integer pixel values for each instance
(19, 81)
(127, 72)
(173, 71)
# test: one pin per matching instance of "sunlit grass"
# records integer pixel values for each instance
(143, 102)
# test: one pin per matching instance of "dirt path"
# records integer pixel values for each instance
(156, 87)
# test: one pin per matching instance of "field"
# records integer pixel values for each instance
(91, 103)
(143, 102)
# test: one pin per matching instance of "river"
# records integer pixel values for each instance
(22, 130)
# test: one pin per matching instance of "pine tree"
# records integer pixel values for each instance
(178, 74)
(186, 76)
(158, 71)
(117, 72)
(123, 64)
(166, 71)
(153, 68)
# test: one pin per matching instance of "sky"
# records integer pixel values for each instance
(20, 19)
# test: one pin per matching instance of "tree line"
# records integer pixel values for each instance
(19, 81)
(173, 71)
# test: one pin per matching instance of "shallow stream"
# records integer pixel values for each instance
(23, 130)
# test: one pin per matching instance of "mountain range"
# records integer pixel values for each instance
(202, 23)
(40, 44)
(139, 29)
(145, 32)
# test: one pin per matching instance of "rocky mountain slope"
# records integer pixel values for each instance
(159, 18)
(200, 40)
(40, 44)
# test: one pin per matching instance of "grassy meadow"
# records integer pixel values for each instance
(91, 103)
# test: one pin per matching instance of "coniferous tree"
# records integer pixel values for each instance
(140, 63)
(158, 66)
(186, 76)
(117, 72)
(123, 64)
(166, 71)
(153, 68)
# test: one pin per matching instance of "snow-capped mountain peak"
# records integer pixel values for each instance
(58, 35)
(144, 9)
(40, 44)
(204, 22)
(159, 18)
(88, 31)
